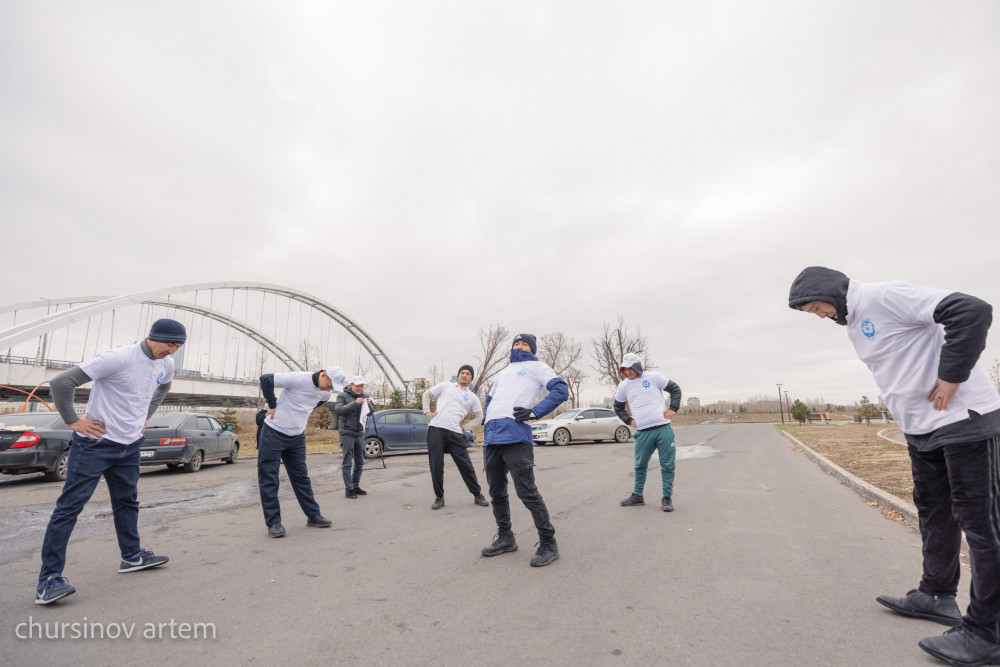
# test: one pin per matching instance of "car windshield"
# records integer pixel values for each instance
(165, 421)
(32, 419)
(569, 414)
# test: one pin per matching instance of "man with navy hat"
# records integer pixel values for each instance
(445, 432)
(283, 439)
(643, 392)
(129, 384)
(508, 445)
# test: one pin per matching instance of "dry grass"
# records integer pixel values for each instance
(858, 449)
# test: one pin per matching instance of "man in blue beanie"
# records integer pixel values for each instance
(130, 382)
(508, 445)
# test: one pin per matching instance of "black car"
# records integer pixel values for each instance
(34, 442)
(399, 430)
(187, 439)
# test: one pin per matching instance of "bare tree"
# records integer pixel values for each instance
(995, 373)
(609, 348)
(495, 342)
(562, 353)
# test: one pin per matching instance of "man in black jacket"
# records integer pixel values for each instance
(352, 434)
(922, 346)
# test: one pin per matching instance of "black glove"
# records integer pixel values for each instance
(523, 414)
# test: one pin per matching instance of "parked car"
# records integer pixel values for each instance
(597, 424)
(188, 439)
(34, 442)
(399, 430)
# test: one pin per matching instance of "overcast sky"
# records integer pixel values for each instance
(432, 168)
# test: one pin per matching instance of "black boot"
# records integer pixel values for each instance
(548, 551)
(940, 608)
(502, 543)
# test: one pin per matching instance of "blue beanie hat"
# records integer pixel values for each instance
(527, 338)
(167, 331)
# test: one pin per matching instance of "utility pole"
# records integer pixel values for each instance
(779, 405)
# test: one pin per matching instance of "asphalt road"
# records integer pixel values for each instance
(767, 561)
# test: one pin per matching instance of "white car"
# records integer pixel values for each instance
(596, 424)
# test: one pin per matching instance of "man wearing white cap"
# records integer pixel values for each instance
(643, 391)
(352, 435)
(283, 439)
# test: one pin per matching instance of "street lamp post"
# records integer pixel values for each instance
(779, 405)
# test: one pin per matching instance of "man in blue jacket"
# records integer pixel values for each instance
(508, 445)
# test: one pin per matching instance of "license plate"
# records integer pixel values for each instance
(147, 455)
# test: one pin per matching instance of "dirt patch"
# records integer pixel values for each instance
(858, 449)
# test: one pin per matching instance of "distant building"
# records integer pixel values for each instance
(694, 402)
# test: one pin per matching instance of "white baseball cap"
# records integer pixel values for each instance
(358, 379)
(337, 377)
(631, 361)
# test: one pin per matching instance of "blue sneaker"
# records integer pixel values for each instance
(141, 561)
(52, 589)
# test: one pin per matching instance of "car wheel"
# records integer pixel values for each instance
(561, 437)
(622, 434)
(234, 453)
(58, 472)
(194, 465)
(373, 448)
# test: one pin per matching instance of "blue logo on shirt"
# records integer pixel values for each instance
(465, 396)
(868, 328)
(521, 371)
(645, 383)
(159, 378)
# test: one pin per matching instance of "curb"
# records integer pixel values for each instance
(861, 487)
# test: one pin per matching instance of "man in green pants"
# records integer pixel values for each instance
(643, 391)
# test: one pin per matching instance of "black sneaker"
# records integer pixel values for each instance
(276, 530)
(666, 505)
(351, 493)
(438, 504)
(52, 589)
(939, 608)
(958, 646)
(142, 560)
(502, 543)
(547, 552)
(633, 500)
(319, 521)
(360, 491)
(482, 502)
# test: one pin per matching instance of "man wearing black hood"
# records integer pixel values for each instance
(922, 346)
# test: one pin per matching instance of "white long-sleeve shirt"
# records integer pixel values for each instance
(454, 403)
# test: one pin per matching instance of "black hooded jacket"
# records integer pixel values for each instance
(818, 283)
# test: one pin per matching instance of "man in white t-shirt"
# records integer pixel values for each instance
(283, 440)
(922, 346)
(643, 392)
(507, 445)
(129, 384)
(454, 403)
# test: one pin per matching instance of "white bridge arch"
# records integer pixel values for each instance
(88, 307)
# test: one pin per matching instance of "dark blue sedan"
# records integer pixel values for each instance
(399, 431)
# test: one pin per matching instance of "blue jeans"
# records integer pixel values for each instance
(88, 460)
(276, 447)
(353, 447)
(660, 439)
(956, 488)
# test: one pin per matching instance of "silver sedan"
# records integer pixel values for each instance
(596, 424)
